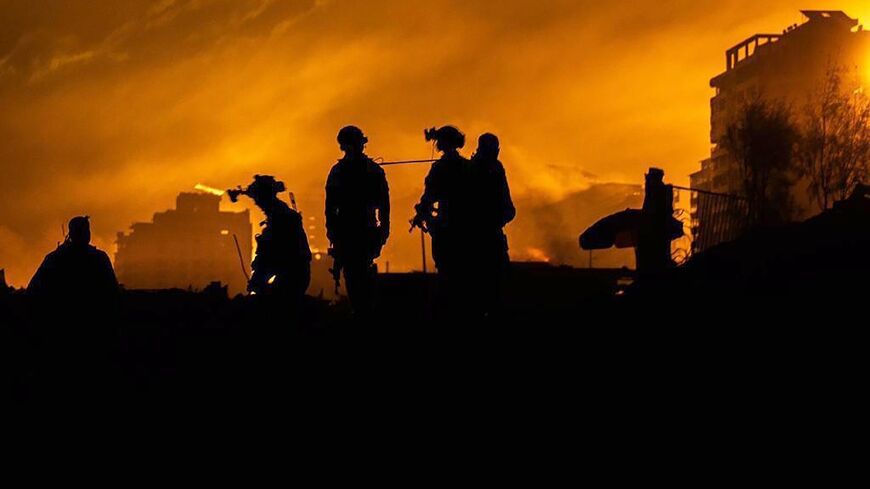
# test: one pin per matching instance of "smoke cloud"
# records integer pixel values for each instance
(112, 108)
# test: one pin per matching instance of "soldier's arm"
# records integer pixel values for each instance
(331, 205)
(509, 212)
(423, 209)
(258, 280)
(109, 281)
(384, 208)
(431, 190)
(302, 235)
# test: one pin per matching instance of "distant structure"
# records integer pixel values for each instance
(187, 247)
(545, 231)
(787, 67)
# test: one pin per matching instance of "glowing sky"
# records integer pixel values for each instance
(111, 108)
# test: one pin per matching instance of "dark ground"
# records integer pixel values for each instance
(757, 347)
(175, 342)
(564, 332)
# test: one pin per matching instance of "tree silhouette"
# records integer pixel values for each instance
(834, 149)
(762, 139)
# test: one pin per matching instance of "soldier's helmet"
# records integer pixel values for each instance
(487, 144)
(447, 137)
(79, 230)
(264, 186)
(351, 136)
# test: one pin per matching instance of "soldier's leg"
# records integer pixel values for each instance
(443, 307)
(497, 275)
(463, 293)
(488, 281)
(359, 280)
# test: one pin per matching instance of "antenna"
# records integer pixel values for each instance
(241, 260)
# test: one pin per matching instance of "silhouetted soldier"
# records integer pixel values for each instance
(282, 265)
(5, 292)
(495, 209)
(76, 272)
(653, 250)
(357, 217)
(75, 294)
(4, 288)
(444, 211)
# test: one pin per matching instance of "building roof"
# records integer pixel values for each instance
(747, 49)
(829, 15)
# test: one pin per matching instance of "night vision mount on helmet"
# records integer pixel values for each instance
(262, 185)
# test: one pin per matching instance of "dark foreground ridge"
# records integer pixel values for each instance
(818, 265)
(744, 310)
(767, 318)
(176, 342)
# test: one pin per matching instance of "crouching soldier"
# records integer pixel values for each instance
(282, 265)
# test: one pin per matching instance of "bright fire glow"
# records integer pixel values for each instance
(866, 75)
(141, 100)
(537, 254)
(207, 189)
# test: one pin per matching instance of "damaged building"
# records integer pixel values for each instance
(187, 247)
(785, 67)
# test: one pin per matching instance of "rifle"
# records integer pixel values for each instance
(336, 268)
(417, 222)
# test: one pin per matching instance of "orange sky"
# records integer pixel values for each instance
(111, 108)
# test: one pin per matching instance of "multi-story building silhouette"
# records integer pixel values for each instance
(187, 247)
(784, 68)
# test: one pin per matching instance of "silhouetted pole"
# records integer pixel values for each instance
(405, 162)
(423, 248)
(590, 259)
(241, 260)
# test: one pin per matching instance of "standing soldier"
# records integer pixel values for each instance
(282, 266)
(357, 218)
(495, 210)
(444, 212)
(658, 227)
